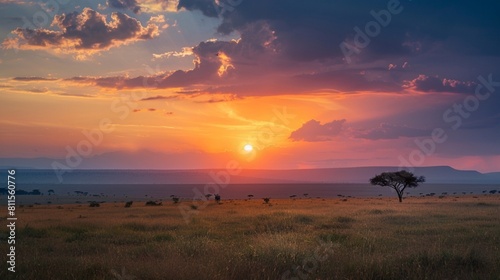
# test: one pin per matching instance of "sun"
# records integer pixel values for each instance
(248, 148)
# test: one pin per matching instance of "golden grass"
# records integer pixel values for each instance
(376, 238)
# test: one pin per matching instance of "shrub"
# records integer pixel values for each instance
(128, 204)
(153, 203)
(94, 204)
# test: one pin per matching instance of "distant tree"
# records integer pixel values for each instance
(128, 204)
(493, 191)
(217, 198)
(293, 196)
(175, 199)
(208, 196)
(250, 196)
(94, 204)
(36, 192)
(266, 200)
(306, 194)
(398, 181)
(50, 192)
(153, 203)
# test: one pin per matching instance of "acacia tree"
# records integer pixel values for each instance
(399, 181)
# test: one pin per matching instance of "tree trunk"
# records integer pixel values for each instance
(400, 196)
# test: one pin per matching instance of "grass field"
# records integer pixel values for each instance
(377, 238)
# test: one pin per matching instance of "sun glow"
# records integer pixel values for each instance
(248, 148)
(225, 64)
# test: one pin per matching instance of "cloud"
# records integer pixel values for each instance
(296, 50)
(145, 110)
(146, 6)
(391, 131)
(216, 98)
(186, 51)
(29, 79)
(83, 34)
(17, 2)
(314, 131)
(38, 90)
(124, 4)
(158, 97)
(216, 63)
(435, 84)
(311, 31)
(207, 7)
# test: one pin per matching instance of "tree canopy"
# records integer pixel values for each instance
(398, 181)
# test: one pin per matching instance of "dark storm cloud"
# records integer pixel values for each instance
(314, 29)
(300, 41)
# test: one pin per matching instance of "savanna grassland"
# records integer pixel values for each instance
(376, 238)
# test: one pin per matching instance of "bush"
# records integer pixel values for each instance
(153, 203)
(94, 204)
(128, 204)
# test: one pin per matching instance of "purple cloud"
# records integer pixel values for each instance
(391, 131)
(314, 131)
(435, 84)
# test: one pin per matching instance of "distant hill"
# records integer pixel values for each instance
(435, 175)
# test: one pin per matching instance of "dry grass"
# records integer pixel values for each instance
(378, 238)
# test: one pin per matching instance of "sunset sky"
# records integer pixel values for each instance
(308, 84)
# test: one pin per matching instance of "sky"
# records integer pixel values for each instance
(268, 84)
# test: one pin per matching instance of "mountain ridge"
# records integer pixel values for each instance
(433, 174)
